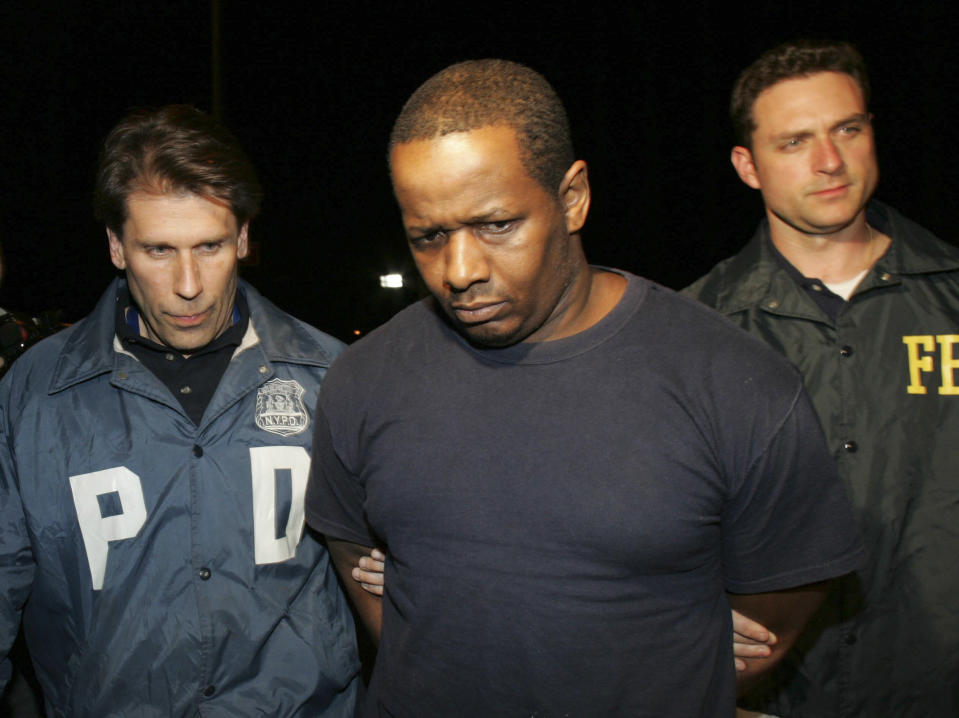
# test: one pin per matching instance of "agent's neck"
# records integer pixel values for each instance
(835, 257)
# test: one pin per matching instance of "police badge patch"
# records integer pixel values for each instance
(280, 409)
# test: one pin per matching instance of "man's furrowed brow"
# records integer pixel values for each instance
(495, 214)
(423, 229)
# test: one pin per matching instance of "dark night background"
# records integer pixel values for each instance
(312, 89)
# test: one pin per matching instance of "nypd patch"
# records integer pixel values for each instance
(280, 409)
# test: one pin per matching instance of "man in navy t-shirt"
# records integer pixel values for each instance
(574, 472)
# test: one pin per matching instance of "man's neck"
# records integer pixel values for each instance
(130, 321)
(591, 298)
(834, 257)
(605, 291)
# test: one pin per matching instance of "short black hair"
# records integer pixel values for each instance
(480, 93)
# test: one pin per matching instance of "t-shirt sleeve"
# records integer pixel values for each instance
(334, 496)
(789, 522)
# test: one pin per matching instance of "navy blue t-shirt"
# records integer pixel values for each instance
(564, 518)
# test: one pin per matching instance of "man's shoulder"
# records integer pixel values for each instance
(408, 329)
(914, 250)
(687, 315)
(286, 338)
(32, 375)
(688, 312)
(683, 313)
(709, 287)
(737, 279)
(684, 340)
(46, 351)
(411, 339)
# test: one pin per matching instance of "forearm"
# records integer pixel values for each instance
(785, 613)
(346, 557)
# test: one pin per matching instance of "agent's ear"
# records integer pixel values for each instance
(116, 250)
(574, 194)
(745, 165)
(242, 241)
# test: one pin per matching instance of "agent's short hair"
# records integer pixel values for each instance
(797, 58)
(481, 93)
(174, 149)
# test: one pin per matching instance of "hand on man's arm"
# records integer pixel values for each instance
(781, 614)
(369, 572)
(750, 640)
(347, 557)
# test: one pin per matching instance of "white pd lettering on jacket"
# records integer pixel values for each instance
(266, 463)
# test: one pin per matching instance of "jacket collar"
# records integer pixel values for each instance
(91, 349)
(754, 278)
(914, 250)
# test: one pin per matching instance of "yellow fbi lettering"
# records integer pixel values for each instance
(922, 352)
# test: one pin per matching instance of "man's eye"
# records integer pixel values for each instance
(157, 251)
(501, 227)
(209, 247)
(424, 240)
(850, 129)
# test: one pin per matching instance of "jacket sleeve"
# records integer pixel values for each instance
(16, 555)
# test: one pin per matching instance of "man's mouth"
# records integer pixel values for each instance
(476, 312)
(189, 320)
(831, 191)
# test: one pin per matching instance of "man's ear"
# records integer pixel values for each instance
(116, 250)
(242, 241)
(574, 194)
(742, 160)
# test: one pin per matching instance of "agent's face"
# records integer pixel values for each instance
(180, 255)
(493, 247)
(813, 156)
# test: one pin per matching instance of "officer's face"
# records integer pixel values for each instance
(180, 255)
(491, 244)
(813, 156)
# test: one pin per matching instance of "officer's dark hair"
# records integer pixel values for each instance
(174, 149)
(797, 58)
(482, 93)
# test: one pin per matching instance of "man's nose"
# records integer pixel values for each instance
(827, 157)
(466, 262)
(187, 283)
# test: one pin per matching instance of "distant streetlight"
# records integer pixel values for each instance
(391, 281)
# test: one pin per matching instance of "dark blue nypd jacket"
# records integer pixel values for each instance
(164, 565)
